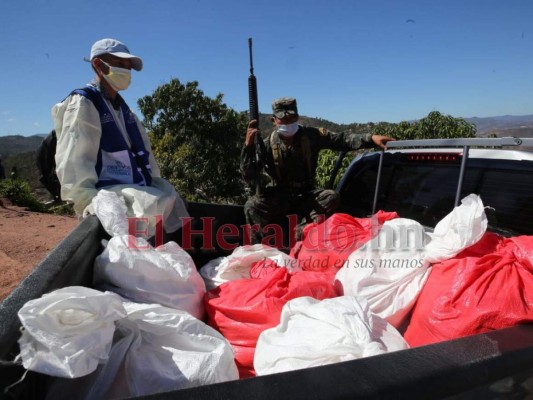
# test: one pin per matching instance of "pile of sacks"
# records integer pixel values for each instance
(355, 287)
(118, 348)
(139, 332)
(352, 288)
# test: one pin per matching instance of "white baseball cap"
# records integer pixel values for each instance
(116, 48)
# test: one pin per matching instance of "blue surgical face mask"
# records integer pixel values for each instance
(288, 130)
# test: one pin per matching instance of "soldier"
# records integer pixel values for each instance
(289, 156)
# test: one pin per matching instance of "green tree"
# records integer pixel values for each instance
(196, 140)
(434, 126)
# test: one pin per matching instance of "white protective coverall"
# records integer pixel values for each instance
(78, 130)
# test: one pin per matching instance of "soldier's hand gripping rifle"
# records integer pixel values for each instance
(254, 115)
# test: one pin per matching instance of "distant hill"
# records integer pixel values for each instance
(17, 144)
(503, 123)
(507, 125)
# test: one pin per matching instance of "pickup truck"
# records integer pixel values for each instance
(422, 180)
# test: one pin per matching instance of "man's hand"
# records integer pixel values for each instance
(251, 132)
(381, 141)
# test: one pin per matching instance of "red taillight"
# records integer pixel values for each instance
(434, 157)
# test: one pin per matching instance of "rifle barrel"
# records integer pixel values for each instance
(251, 57)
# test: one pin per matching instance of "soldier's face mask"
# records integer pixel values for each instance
(118, 78)
(288, 130)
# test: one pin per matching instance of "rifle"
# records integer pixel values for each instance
(254, 114)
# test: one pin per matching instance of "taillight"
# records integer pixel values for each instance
(434, 157)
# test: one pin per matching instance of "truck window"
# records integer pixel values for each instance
(425, 191)
(510, 194)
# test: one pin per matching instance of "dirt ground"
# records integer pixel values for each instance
(25, 239)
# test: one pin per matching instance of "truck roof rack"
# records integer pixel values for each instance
(465, 143)
(462, 142)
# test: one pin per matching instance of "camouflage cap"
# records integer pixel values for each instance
(284, 106)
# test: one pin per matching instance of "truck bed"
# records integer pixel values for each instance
(465, 368)
(493, 365)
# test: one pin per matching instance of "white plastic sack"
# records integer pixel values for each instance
(68, 332)
(111, 211)
(388, 271)
(160, 200)
(162, 349)
(313, 332)
(237, 265)
(155, 349)
(166, 275)
(461, 228)
(149, 201)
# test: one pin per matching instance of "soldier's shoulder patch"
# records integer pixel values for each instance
(323, 131)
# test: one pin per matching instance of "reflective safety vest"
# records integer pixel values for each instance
(118, 162)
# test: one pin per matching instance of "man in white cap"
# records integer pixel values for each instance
(101, 144)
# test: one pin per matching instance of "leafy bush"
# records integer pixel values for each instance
(20, 193)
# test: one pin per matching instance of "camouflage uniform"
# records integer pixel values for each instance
(290, 187)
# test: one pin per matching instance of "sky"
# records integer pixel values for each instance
(343, 60)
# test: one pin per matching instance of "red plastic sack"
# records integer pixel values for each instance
(242, 309)
(327, 245)
(486, 287)
(266, 267)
